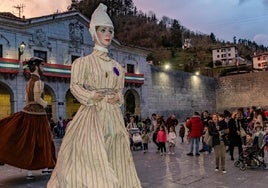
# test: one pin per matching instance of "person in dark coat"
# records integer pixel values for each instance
(171, 122)
(195, 125)
(182, 132)
(234, 125)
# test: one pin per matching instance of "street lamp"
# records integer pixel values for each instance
(167, 66)
(21, 48)
(21, 51)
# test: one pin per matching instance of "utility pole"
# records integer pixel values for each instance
(20, 9)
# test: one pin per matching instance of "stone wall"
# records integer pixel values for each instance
(180, 93)
(243, 90)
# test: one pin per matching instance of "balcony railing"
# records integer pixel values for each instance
(60, 71)
(9, 66)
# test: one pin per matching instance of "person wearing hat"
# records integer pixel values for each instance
(25, 136)
(95, 150)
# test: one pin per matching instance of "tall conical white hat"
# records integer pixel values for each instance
(99, 18)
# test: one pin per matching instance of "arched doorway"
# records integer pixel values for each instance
(6, 95)
(72, 104)
(132, 102)
(50, 98)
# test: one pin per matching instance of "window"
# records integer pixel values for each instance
(130, 68)
(41, 54)
(74, 58)
(1, 50)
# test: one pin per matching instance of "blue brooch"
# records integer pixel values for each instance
(116, 71)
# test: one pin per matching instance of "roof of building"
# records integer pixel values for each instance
(260, 54)
(223, 47)
(9, 15)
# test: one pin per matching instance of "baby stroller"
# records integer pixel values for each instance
(136, 140)
(251, 157)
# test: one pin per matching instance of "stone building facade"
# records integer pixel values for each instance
(60, 38)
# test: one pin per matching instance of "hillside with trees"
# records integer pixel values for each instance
(166, 36)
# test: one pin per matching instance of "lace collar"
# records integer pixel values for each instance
(101, 54)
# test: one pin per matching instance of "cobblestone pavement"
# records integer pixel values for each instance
(168, 171)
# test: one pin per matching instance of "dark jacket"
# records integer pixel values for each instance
(182, 131)
(234, 137)
(171, 122)
(214, 132)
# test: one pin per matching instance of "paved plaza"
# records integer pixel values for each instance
(155, 171)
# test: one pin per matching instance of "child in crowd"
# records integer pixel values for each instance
(162, 139)
(154, 137)
(172, 140)
(258, 137)
(206, 146)
(182, 132)
(145, 140)
(249, 140)
(188, 138)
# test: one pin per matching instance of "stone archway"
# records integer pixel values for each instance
(6, 98)
(132, 102)
(72, 104)
(50, 98)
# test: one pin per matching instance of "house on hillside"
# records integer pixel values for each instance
(225, 56)
(260, 61)
(187, 44)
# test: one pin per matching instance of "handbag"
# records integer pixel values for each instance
(242, 132)
(208, 139)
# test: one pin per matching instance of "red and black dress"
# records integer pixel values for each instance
(25, 137)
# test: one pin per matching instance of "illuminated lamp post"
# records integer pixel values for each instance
(167, 66)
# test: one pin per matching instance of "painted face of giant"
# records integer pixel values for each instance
(104, 35)
(41, 69)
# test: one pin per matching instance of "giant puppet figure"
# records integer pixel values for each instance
(95, 150)
(25, 137)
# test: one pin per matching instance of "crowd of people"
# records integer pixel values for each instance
(59, 127)
(219, 133)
